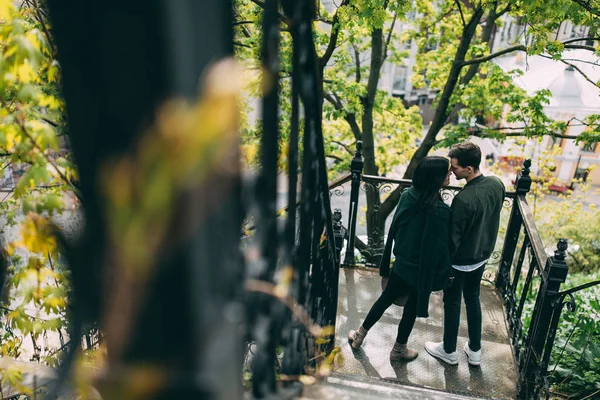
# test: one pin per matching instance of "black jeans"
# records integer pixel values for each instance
(396, 286)
(468, 284)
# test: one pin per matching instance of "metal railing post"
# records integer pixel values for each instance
(356, 168)
(532, 371)
(339, 233)
(522, 186)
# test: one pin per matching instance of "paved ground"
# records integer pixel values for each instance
(496, 378)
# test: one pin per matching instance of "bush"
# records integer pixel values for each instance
(575, 362)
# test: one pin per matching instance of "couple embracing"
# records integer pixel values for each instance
(437, 247)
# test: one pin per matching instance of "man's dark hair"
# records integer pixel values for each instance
(467, 154)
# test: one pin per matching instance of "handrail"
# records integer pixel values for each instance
(332, 185)
(532, 232)
(402, 182)
(408, 182)
(578, 288)
(340, 181)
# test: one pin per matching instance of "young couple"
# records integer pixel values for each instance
(432, 239)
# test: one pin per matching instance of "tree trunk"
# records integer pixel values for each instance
(441, 113)
(375, 227)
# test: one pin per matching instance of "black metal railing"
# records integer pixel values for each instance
(561, 299)
(307, 243)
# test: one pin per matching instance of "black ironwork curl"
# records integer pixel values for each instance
(364, 186)
(571, 304)
(387, 188)
(495, 258)
(448, 195)
(489, 274)
(337, 191)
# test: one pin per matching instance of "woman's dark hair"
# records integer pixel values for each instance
(428, 178)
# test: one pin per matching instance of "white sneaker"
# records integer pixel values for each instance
(437, 350)
(474, 357)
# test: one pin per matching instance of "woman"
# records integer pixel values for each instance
(421, 232)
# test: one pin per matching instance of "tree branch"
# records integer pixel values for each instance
(519, 48)
(350, 118)
(42, 21)
(516, 130)
(346, 147)
(335, 31)
(389, 37)
(283, 18)
(482, 134)
(480, 60)
(333, 100)
(596, 39)
(43, 153)
(357, 62)
(236, 23)
(595, 64)
(462, 16)
(588, 7)
(356, 131)
(334, 157)
(505, 9)
(576, 68)
(241, 45)
(474, 68)
(579, 47)
(49, 122)
(324, 20)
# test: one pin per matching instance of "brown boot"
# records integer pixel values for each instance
(356, 338)
(402, 353)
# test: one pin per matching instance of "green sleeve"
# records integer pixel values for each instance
(430, 252)
(461, 217)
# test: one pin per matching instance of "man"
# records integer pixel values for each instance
(475, 221)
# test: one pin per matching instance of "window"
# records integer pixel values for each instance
(554, 141)
(589, 147)
(573, 32)
(400, 75)
(581, 173)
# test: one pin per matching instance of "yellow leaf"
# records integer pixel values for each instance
(25, 73)
(53, 72)
(49, 101)
(6, 6)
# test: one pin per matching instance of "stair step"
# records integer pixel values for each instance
(351, 387)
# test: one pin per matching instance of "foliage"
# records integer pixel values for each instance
(575, 363)
(458, 62)
(357, 40)
(32, 128)
(572, 215)
(345, 81)
(575, 359)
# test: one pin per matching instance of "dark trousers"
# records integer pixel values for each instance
(396, 286)
(468, 284)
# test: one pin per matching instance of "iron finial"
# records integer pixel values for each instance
(526, 167)
(562, 246)
(359, 148)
